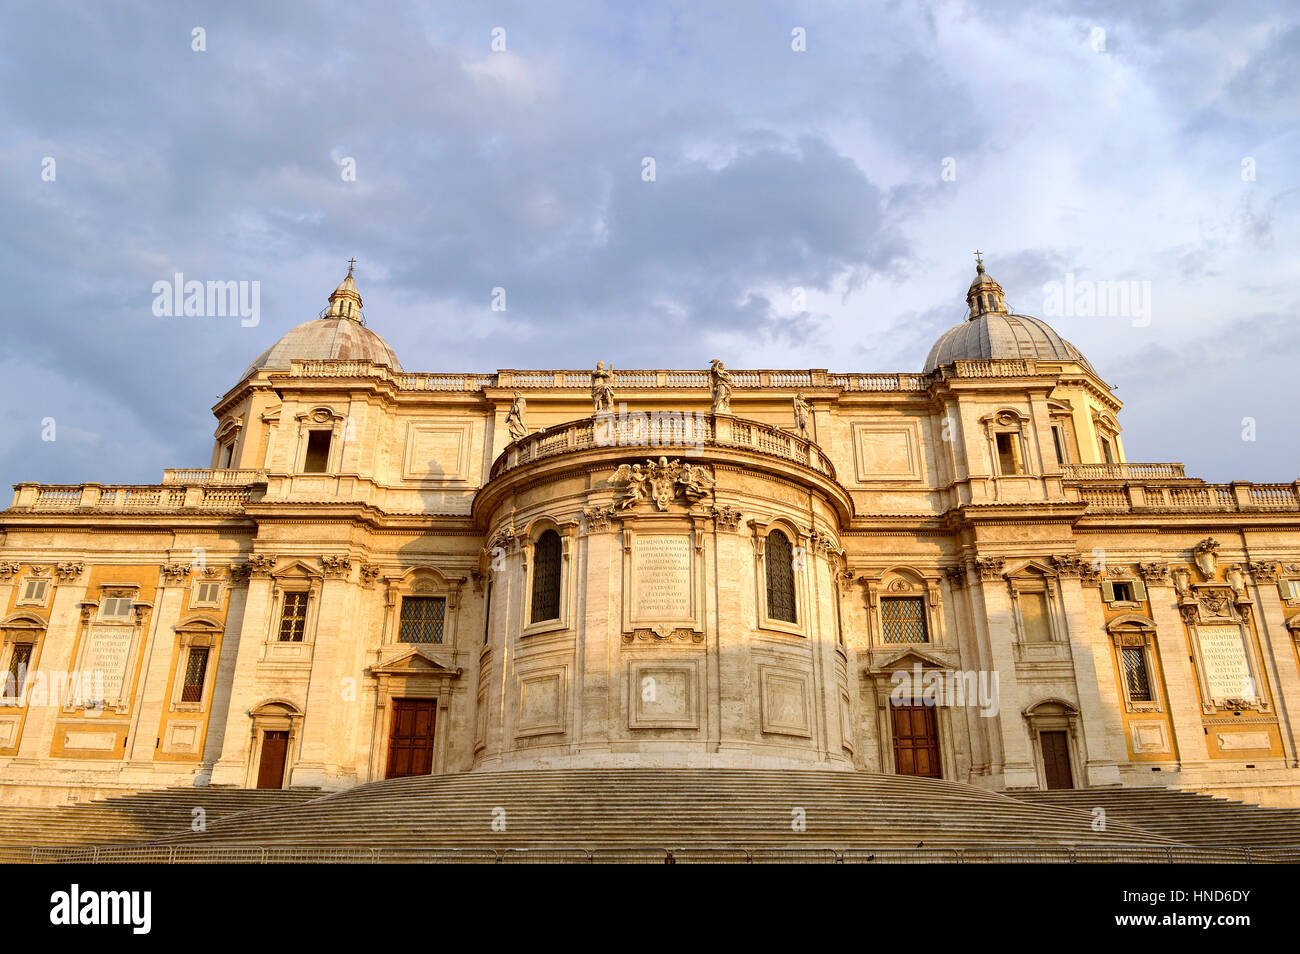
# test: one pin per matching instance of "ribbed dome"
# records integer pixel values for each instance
(337, 335)
(992, 332)
(1000, 336)
(324, 339)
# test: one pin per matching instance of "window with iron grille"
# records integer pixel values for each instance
(196, 668)
(422, 619)
(902, 619)
(780, 577)
(1135, 675)
(546, 577)
(20, 658)
(293, 619)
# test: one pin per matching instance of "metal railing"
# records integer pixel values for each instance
(1002, 854)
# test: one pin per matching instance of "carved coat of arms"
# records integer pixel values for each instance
(661, 481)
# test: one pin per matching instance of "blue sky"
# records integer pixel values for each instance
(1099, 141)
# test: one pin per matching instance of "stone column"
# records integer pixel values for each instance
(158, 645)
(1091, 651)
(1180, 674)
(232, 767)
(56, 654)
(1018, 770)
(1279, 663)
(599, 673)
(319, 756)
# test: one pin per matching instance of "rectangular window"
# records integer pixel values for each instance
(318, 453)
(1033, 612)
(1106, 453)
(902, 619)
(1123, 592)
(1135, 674)
(206, 594)
(20, 659)
(196, 669)
(293, 619)
(1059, 444)
(1007, 463)
(34, 591)
(115, 607)
(226, 456)
(422, 619)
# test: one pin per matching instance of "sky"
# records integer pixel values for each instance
(654, 185)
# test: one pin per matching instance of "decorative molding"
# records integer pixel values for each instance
(7, 571)
(1154, 572)
(261, 564)
(660, 635)
(1069, 565)
(174, 573)
(990, 568)
(336, 566)
(68, 572)
(956, 576)
(239, 572)
(599, 518)
(726, 518)
(369, 573)
(1265, 571)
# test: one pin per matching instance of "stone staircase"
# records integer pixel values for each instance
(663, 807)
(132, 819)
(1186, 817)
(617, 809)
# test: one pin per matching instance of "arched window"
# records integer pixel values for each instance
(546, 577)
(780, 577)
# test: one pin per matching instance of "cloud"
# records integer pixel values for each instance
(776, 170)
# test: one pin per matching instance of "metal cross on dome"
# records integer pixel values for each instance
(978, 259)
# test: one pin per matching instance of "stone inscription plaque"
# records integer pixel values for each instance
(1227, 674)
(661, 578)
(106, 653)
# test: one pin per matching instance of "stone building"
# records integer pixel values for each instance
(953, 573)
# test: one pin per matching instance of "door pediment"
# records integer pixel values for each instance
(415, 663)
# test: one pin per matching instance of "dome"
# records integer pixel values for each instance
(337, 335)
(992, 332)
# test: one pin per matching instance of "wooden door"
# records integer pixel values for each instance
(1056, 759)
(410, 739)
(916, 741)
(275, 749)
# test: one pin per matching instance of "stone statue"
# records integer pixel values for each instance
(515, 419)
(602, 388)
(696, 481)
(636, 481)
(720, 382)
(802, 415)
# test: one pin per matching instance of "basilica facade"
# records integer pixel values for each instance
(954, 573)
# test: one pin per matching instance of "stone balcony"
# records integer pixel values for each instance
(1123, 471)
(176, 495)
(680, 434)
(1185, 496)
(660, 379)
